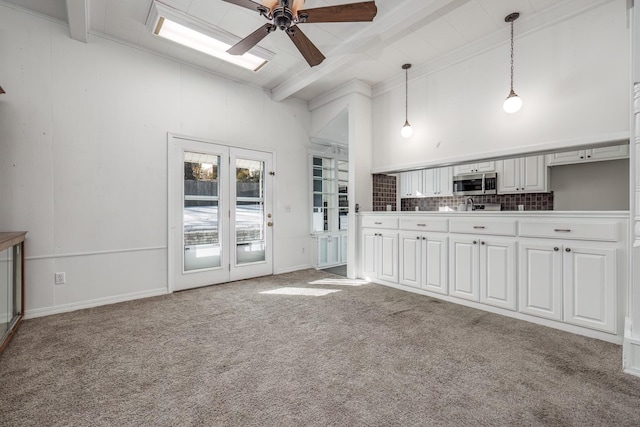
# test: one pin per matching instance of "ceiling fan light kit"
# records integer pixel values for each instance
(287, 14)
(406, 130)
(513, 103)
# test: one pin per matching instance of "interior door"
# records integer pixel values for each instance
(220, 222)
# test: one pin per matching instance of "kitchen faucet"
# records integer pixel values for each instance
(468, 201)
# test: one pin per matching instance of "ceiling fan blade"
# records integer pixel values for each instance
(244, 45)
(246, 3)
(310, 52)
(353, 12)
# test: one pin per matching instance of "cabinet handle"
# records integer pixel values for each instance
(556, 249)
(568, 249)
(482, 242)
(378, 223)
(419, 238)
(582, 157)
(475, 243)
(589, 156)
(481, 227)
(421, 225)
(562, 230)
(424, 238)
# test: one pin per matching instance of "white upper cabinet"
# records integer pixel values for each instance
(438, 182)
(411, 184)
(522, 175)
(611, 152)
(474, 168)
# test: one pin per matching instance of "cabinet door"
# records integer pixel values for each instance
(509, 175)
(388, 260)
(498, 272)
(462, 169)
(430, 182)
(435, 275)
(445, 181)
(369, 254)
(540, 279)
(463, 267)
(533, 174)
(566, 157)
(607, 153)
(486, 166)
(590, 282)
(411, 183)
(343, 248)
(410, 262)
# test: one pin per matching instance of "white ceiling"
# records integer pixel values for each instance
(404, 31)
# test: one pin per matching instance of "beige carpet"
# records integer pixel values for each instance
(366, 355)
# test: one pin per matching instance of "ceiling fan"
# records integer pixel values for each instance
(287, 14)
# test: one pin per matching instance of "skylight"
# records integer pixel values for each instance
(186, 30)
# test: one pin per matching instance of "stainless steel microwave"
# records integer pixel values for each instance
(475, 184)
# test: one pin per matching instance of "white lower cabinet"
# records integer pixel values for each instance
(482, 268)
(380, 254)
(331, 249)
(562, 268)
(570, 281)
(423, 261)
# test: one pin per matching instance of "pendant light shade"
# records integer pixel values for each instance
(513, 103)
(406, 130)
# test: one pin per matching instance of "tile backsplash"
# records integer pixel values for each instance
(385, 187)
(508, 202)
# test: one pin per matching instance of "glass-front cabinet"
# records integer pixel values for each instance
(330, 209)
(11, 284)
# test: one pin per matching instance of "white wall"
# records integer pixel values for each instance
(83, 159)
(595, 186)
(573, 77)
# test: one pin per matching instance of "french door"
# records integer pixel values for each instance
(220, 213)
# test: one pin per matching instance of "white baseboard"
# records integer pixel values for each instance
(630, 350)
(65, 308)
(292, 269)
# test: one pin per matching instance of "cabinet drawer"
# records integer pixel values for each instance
(424, 224)
(600, 230)
(379, 222)
(483, 226)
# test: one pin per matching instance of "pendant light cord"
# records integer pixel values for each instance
(512, 56)
(406, 94)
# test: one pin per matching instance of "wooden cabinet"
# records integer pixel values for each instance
(11, 284)
(575, 283)
(411, 184)
(522, 175)
(474, 168)
(330, 249)
(380, 254)
(438, 182)
(423, 261)
(611, 152)
(427, 183)
(566, 269)
(569, 271)
(482, 268)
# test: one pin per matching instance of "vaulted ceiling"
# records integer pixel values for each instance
(420, 32)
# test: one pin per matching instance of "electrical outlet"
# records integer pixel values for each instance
(61, 278)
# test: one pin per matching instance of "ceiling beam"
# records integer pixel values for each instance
(388, 27)
(78, 18)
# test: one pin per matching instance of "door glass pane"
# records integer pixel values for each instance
(250, 215)
(201, 213)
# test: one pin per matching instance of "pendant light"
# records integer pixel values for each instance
(513, 103)
(2, 90)
(406, 130)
